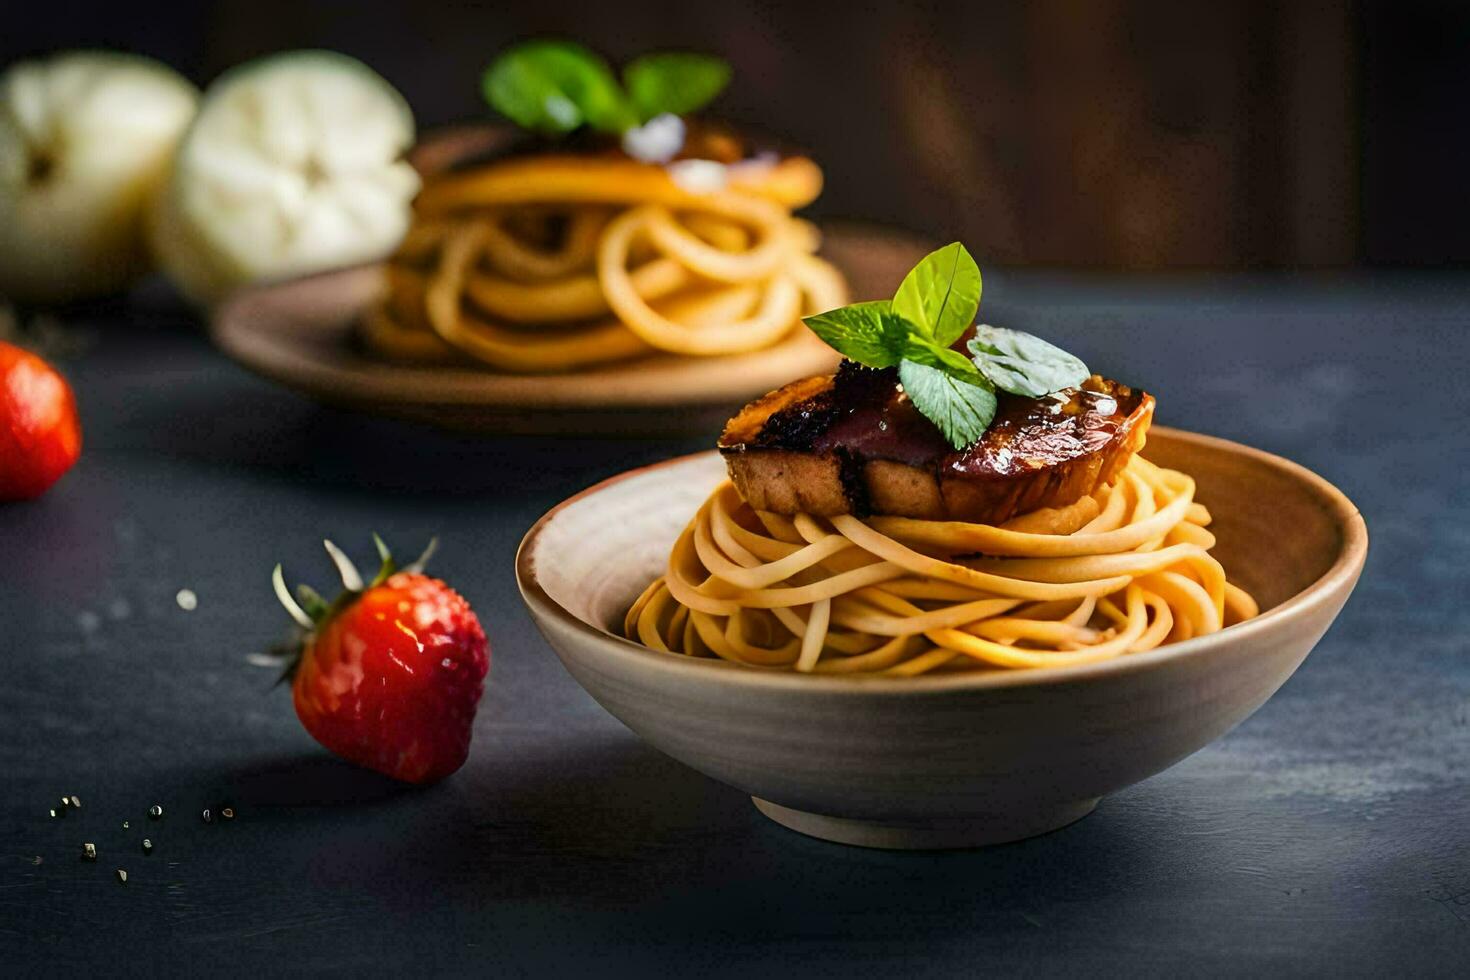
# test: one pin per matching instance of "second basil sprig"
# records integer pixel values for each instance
(934, 306)
(554, 87)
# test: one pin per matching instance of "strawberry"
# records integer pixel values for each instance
(40, 437)
(389, 674)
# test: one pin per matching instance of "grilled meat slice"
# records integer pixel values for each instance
(854, 444)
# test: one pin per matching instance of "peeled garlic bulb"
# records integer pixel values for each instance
(294, 164)
(85, 137)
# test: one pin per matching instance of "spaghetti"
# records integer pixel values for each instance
(1124, 570)
(554, 263)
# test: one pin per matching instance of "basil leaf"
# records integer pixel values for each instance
(555, 87)
(961, 410)
(674, 82)
(922, 350)
(1023, 364)
(933, 308)
(941, 294)
(869, 333)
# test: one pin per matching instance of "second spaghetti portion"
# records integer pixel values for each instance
(1122, 570)
(554, 262)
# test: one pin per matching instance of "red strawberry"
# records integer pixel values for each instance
(40, 437)
(389, 675)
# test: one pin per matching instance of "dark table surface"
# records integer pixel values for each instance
(1330, 832)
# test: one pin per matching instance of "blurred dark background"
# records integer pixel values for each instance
(1110, 134)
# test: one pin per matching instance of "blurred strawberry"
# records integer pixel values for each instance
(389, 674)
(40, 437)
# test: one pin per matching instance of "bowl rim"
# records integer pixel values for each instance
(1342, 573)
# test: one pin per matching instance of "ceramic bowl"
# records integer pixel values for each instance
(953, 760)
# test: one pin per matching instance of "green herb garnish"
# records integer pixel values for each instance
(674, 82)
(555, 87)
(941, 294)
(962, 410)
(1024, 364)
(934, 306)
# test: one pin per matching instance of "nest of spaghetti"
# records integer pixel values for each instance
(554, 258)
(1116, 561)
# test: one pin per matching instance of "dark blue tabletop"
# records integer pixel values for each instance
(1329, 833)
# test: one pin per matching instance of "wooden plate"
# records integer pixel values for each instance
(300, 333)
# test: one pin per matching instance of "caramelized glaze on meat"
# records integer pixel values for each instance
(854, 443)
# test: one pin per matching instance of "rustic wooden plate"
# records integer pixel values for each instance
(300, 333)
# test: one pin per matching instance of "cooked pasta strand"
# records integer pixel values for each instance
(1123, 573)
(558, 263)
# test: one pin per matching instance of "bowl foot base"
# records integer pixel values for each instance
(972, 831)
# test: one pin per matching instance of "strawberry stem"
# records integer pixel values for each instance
(386, 566)
(278, 582)
(312, 602)
(351, 579)
(417, 565)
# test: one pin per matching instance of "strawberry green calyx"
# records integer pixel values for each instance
(310, 612)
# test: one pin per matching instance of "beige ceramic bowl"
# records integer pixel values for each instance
(945, 761)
